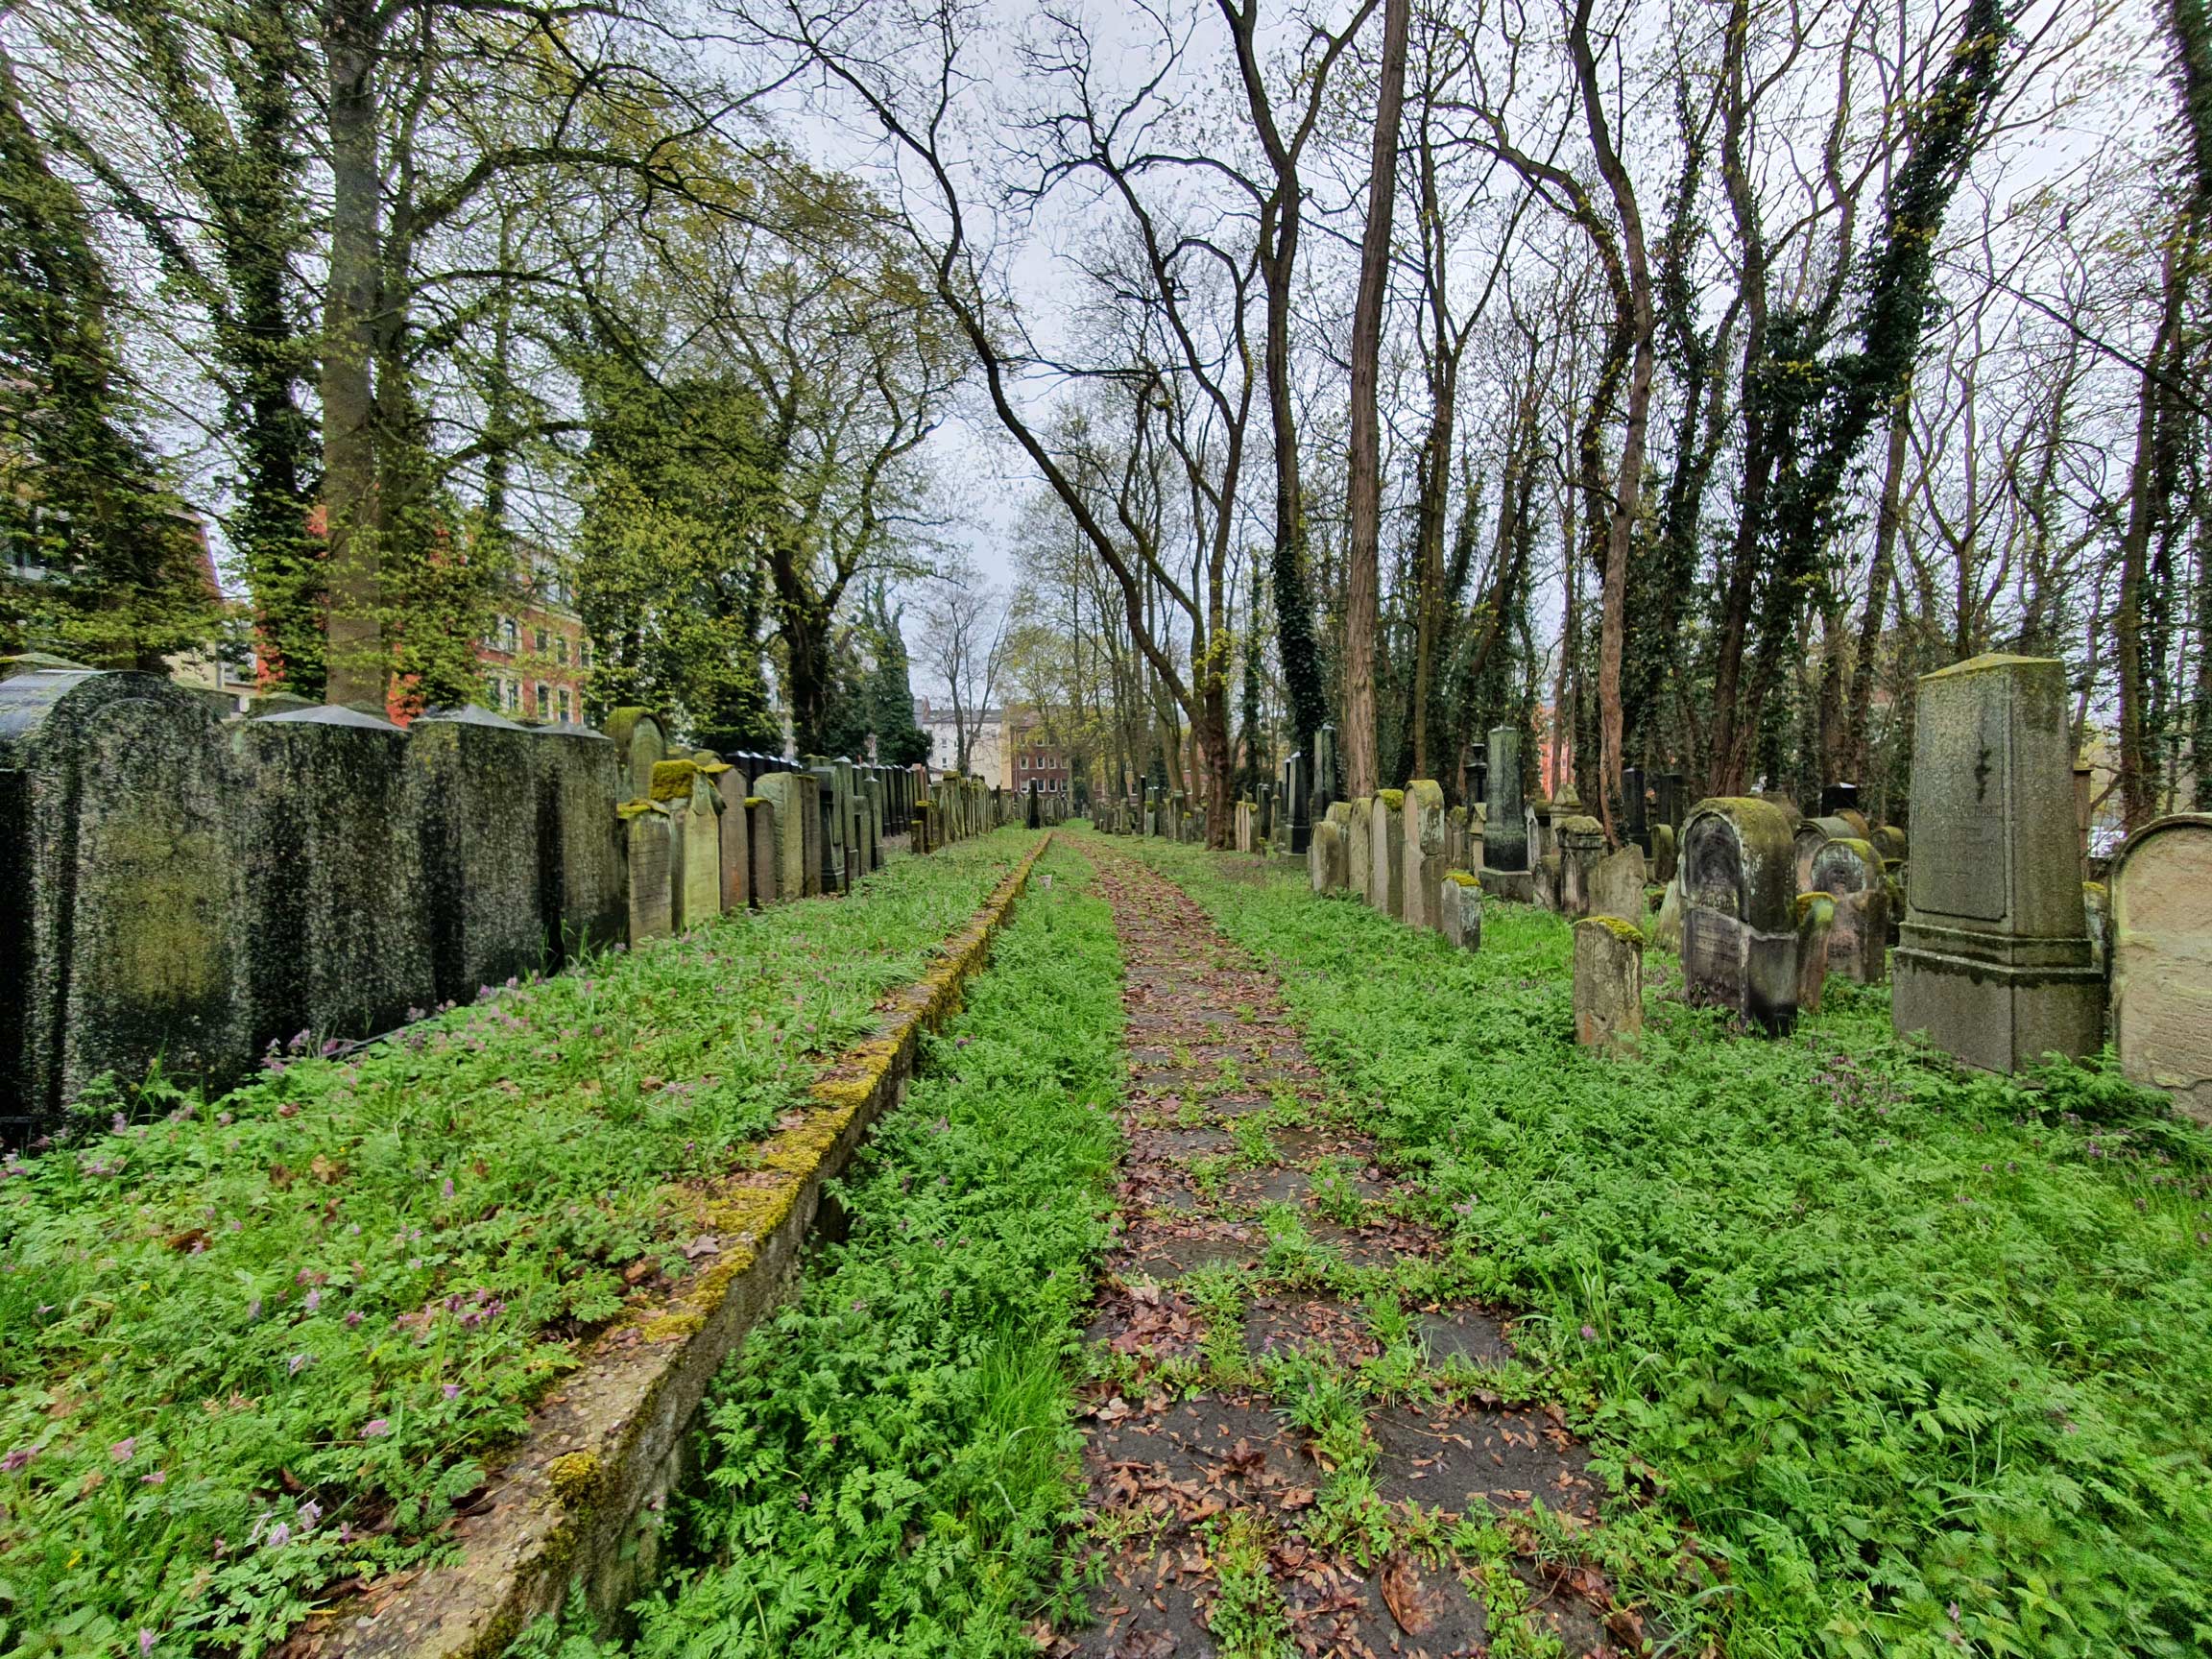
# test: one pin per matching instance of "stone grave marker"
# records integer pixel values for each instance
(1847, 871)
(650, 843)
(1662, 853)
(1581, 844)
(641, 742)
(1993, 959)
(1329, 852)
(1386, 848)
(2161, 893)
(792, 807)
(1616, 885)
(1422, 855)
(1360, 847)
(1739, 910)
(1811, 835)
(473, 774)
(1815, 929)
(1459, 910)
(1506, 862)
(1608, 983)
(736, 849)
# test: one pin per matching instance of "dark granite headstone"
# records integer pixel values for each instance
(1505, 836)
(476, 795)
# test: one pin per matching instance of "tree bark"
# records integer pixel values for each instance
(358, 663)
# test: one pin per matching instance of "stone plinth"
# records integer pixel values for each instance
(1739, 910)
(1422, 858)
(1608, 983)
(2160, 919)
(1847, 871)
(1993, 959)
(1459, 910)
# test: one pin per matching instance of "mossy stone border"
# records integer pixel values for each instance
(577, 1499)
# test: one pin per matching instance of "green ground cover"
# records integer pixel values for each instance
(890, 1461)
(1923, 1359)
(254, 1346)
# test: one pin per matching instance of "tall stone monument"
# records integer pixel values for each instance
(1993, 959)
(1505, 836)
(1423, 855)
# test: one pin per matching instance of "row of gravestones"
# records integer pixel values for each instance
(2004, 954)
(185, 888)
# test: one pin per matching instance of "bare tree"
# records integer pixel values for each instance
(963, 643)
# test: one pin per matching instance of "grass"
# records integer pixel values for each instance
(253, 1347)
(890, 1461)
(1921, 1359)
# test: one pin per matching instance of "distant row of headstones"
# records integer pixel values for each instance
(2003, 954)
(187, 888)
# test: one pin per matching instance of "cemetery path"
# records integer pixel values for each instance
(1286, 1416)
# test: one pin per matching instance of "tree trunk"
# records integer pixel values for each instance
(357, 664)
(1855, 755)
(1364, 493)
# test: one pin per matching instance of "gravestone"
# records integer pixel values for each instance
(1386, 848)
(1889, 841)
(1816, 930)
(1329, 853)
(1739, 910)
(1670, 800)
(641, 742)
(1459, 910)
(1264, 814)
(1811, 834)
(1506, 862)
(1328, 782)
(582, 889)
(1608, 983)
(1422, 857)
(122, 907)
(1993, 959)
(1666, 929)
(476, 804)
(1847, 871)
(2160, 896)
(1616, 885)
(1662, 853)
(736, 848)
(650, 843)
(695, 817)
(1635, 825)
(1297, 807)
(1581, 844)
(1360, 847)
(792, 799)
(338, 931)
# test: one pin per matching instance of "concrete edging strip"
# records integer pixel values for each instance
(576, 1499)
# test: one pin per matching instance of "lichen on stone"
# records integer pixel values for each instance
(1394, 799)
(578, 1478)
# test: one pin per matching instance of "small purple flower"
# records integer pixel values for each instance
(330, 1047)
(453, 1390)
(254, 1309)
(125, 1449)
(354, 1318)
(159, 1478)
(375, 1429)
(446, 1190)
(314, 1300)
(16, 1458)
(293, 1365)
(310, 1512)
(279, 1535)
(1589, 1334)
(145, 1642)
(118, 1123)
(224, 1119)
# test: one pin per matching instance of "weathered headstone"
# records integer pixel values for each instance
(1421, 856)
(695, 812)
(1811, 835)
(1668, 799)
(1387, 847)
(1616, 885)
(1608, 984)
(338, 928)
(737, 850)
(2160, 921)
(1243, 827)
(792, 799)
(1993, 960)
(642, 743)
(584, 891)
(1459, 910)
(1327, 786)
(1329, 853)
(1815, 929)
(1662, 853)
(121, 904)
(1739, 910)
(1581, 844)
(1360, 847)
(650, 843)
(1635, 824)
(1293, 813)
(477, 809)
(1506, 862)
(1847, 871)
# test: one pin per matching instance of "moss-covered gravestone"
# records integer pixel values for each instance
(1328, 855)
(476, 804)
(736, 848)
(649, 843)
(338, 926)
(1459, 910)
(1386, 850)
(1360, 845)
(1846, 870)
(1815, 929)
(2160, 919)
(641, 742)
(1662, 853)
(1739, 882)
(1616, 885)
(1993, 959)
(1505, 854)
(1422, 855)
(122, 897)
(694, 811)
(1608, 983)
(582, 889)
(1812, 834)
(791, 801)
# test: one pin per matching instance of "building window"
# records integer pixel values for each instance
(544, 701)
(561, 649)
(509, 696)
(539, 637)
(584, 654)
(567, 709)
(510, 636)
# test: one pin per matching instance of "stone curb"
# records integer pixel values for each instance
(579, 1498)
